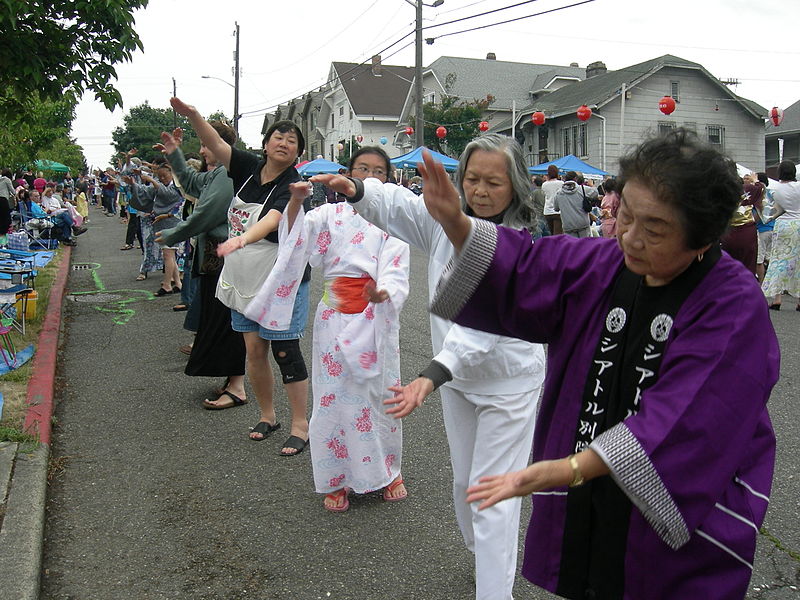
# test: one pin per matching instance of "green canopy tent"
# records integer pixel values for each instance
(50, 165)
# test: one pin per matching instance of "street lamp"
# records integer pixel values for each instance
(419, 130)
(235, 103)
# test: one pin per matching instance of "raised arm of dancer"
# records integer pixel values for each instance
(207, 134)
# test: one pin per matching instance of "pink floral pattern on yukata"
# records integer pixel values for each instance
(284, 290)
(335, 482)
(389, 461)
(364, 422)
(334, 368)
(338, 448)
(366, 459)
(369, 313)
(367, 359)
(300, 242)
(327, 399)
(358, 238)
(327, 314)
(323, 241)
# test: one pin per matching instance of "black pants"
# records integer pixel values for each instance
(133, 231)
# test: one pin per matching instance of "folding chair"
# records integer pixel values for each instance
(8, 298)
(34, 228)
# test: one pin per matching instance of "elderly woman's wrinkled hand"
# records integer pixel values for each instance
(440, 195)
(231, 245)
(495, 488)
(408, 397)
(338, 183)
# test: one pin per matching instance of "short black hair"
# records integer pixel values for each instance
(570, 176)
(787, 171)
(690, 175)
(609, 185)
(538, 181)
(371, 150)
(762, 177)
(286, 127)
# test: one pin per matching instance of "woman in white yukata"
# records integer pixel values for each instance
(355, 445)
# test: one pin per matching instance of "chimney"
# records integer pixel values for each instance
(491, 56)
(376, 65)
(596, 68)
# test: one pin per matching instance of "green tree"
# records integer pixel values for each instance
(66, 151)
(47, 121)
(61, 48)
(142, 127)
(350, 148)
(459, 117)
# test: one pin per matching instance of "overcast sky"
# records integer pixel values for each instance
(286, 47)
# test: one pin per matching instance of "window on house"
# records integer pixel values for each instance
(574, 132)
(583, 140)
(332, 125)
(716, 135)
(351, 114)
(665, 127)
(674, 87)
(565, 141)
(341, 111)
(429, 99)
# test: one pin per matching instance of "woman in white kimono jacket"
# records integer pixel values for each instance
(355, 445)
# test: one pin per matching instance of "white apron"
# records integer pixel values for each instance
(245, 270)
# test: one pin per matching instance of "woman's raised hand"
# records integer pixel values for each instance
(181, 107)
(338, 183)
(300, 191)
(231, 245)
(442, 200)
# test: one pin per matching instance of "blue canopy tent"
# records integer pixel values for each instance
(320, 165)
(568, 163)
(410, 160)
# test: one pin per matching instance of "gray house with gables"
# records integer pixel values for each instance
(625, 110)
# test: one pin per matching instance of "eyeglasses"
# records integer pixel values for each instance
(365, 171)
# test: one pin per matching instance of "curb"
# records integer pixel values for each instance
(38, 419)
(23, 523)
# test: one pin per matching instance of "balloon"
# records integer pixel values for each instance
(340, 146)
(383, 140)
(409, 130)
(483, 126)
(666, 105)
(441, 132)
(776, 116)
(538, 118)
(584, 113)
(359, 138)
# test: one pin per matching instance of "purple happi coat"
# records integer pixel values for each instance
(695, 462)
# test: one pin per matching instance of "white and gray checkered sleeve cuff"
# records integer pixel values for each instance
(636, 475)
(465, 271)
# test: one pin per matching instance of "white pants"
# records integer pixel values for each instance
(489, 435)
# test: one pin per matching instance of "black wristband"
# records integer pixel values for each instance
(437, 373)
(359, 190)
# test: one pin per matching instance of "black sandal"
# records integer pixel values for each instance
(236, 402)
(265, 429)
(294, 442)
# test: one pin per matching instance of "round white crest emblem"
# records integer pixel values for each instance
(660, 327)
(615, 320)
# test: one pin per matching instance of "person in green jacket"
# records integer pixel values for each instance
(218, 351)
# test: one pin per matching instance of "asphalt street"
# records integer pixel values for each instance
(152, 497)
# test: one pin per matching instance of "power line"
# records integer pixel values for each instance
(544, 12)
(488, 12)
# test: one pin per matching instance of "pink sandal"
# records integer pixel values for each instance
(336, 497)
(391, 488)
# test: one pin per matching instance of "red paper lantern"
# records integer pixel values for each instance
(409, 131)
(359, 138)
(483, 126)
(538, 118)
(584, 113)
(666, 105)
(441, 132)
(776, 116)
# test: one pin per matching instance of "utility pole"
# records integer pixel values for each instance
(419, 125)
(236, 84)
(174, 95)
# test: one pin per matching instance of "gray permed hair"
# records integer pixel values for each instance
(520, 213)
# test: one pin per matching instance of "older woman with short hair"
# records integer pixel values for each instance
(489, 383)
(654, 451)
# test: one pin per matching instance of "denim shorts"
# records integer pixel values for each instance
(296, 328)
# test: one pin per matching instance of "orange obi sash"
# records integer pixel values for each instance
(346, 294)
